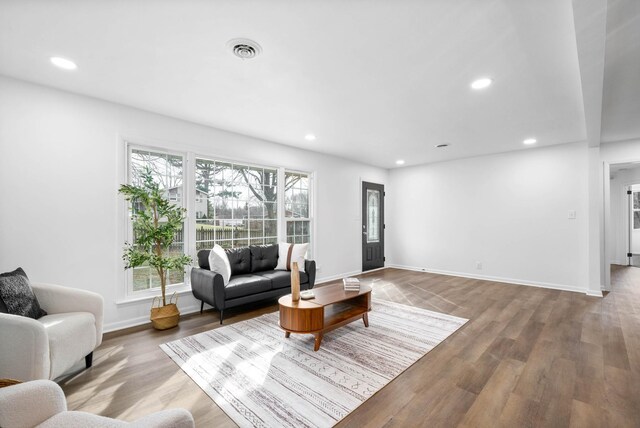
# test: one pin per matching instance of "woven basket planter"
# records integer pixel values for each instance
(167, 316)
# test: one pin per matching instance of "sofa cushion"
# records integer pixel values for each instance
(282, 279)
(263, 257)
(219, 262)
(240, 260)
(203, 259)
(72, 336)
(290, 253)
(17, 295)
(246, 285)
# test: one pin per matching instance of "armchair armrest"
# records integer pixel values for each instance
(208, 286)
(310, 269)
(24, 349)
(31, 403)
(56, 299)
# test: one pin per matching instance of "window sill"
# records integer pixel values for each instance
(183, 289)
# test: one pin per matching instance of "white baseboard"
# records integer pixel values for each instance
(551, 286)
(338, 276)
(134, 322)
(595, 293)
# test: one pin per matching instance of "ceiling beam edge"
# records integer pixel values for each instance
(590, 22)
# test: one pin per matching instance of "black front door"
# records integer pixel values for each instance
(372, 226)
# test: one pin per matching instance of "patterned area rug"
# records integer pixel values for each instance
(261, 379)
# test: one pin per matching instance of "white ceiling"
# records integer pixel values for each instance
(374, 80)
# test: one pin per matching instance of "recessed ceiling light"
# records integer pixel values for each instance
(63, 63)
(440, 146)
(529, 141)
(481, 83)
(310, 137)
(399, 162)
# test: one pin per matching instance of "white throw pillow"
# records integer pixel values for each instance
(219, 262)
(298, 254)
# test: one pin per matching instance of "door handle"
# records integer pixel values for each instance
(364, 233)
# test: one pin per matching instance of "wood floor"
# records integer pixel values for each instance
(528, 357)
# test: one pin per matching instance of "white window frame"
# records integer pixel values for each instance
(129, 293)
(634, 210)
(310, 208)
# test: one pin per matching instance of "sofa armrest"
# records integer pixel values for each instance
(174, 418)
(208, 286)
(56, 299)
(24, 348)
(31, 403)
(310, 269)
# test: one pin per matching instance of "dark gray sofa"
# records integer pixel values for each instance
(253, 278)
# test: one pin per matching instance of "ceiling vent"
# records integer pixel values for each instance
(244, 48)
(440, 146)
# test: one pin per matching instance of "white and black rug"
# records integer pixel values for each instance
(261, 379)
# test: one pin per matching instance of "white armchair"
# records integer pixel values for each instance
(41, 403)
(47, 347)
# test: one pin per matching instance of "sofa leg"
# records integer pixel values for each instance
(201, 306)
(221, 315)
(88, 360)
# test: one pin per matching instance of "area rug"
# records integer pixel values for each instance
(261, 379)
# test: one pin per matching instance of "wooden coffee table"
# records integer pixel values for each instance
(331, 308)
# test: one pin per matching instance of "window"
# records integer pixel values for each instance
(167, 170)
(228, 203)
(241, 207)
(296, 206)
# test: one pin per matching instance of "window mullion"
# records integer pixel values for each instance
(282, 221)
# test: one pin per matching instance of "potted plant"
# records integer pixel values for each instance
(155, 223)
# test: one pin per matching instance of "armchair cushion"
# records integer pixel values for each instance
(64, 353)
(41, 403)
(17, 296)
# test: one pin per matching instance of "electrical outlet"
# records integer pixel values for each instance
(571, 215)
(479, 265)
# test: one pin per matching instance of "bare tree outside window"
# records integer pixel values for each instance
(242, 204)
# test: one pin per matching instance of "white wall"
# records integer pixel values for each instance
(508, 211)
(67, 150)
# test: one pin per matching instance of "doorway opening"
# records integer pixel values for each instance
(622, 232)
(633, 225)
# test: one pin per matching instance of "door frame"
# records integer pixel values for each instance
(362, 220)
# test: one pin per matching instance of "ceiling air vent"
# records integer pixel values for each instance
(440, 146)
(244, 48)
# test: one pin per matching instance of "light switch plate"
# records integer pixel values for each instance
(572, 214)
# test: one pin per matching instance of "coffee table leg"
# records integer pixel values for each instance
(365, 318)
(318, 340)
(287, 334)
